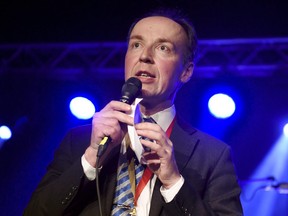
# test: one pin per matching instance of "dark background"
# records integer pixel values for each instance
(37, 107)
(71, 20)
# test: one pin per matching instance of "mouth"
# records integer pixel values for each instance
(145, 74)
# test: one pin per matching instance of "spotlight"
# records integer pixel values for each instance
(5, 133)
(285, 130)
(221, 106)
(82, 108)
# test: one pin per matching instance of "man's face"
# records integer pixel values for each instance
(155, 56)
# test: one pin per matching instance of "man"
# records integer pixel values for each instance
(191, 172)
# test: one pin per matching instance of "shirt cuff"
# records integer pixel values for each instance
(169, 194)
(89, 170)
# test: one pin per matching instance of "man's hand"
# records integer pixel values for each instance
(161, 159)
(110, 122)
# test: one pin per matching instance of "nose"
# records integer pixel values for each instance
(146, 56)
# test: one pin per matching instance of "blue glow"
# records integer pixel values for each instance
(264, 199)
(5, 133)
(285, 130)
(82, 108)
(221, 106)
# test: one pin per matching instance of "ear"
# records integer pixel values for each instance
(187, 73)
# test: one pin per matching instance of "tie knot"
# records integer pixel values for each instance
(149, 119)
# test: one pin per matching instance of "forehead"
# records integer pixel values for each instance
(157, 26)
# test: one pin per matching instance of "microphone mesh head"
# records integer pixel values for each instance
(131, 90)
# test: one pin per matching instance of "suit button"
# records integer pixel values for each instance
(185, 211)
(74, 188)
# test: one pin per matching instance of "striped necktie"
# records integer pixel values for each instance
(151, 120)
(129, 174)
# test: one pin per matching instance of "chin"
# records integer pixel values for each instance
(146, 94)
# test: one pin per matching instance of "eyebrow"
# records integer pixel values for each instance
(161, 40)
(136, 37)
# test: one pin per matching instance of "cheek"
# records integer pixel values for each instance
(168, 71)
(128, 65)
(169, 75)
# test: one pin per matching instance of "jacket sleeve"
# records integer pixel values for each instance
(218, 196)
(63, 184)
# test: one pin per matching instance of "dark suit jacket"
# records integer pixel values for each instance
(210, 186)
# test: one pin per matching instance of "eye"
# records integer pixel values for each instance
(164, 48)
(136, 45)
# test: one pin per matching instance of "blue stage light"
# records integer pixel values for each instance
(82, 108)
(221, 106)
(5, 133)
(285, 130)
(265, 197)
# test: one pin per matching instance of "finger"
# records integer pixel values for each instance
(112, 117)
(148, 126)
(110, 131)
(104, 131)
(163, 151)
(151, 145)
(152, 160)
(151, 135)
(152, 157)
(119, 106)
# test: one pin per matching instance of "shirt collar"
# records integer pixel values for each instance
(164, 117)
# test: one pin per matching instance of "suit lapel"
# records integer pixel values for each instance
(184, 143)
(110, 188)
(157, 200)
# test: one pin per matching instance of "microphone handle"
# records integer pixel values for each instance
(103, 145)
(130, 90)
(107, 139)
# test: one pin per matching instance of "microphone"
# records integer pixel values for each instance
(130, 91)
